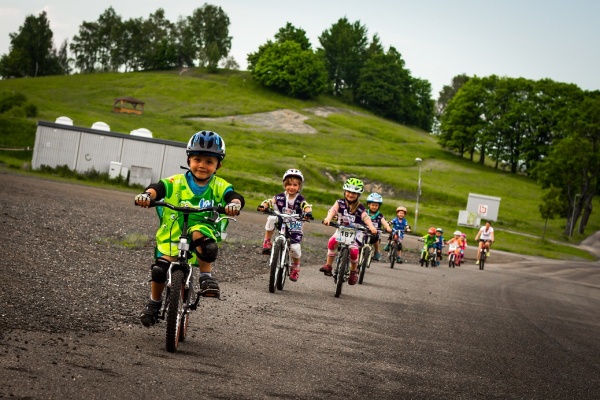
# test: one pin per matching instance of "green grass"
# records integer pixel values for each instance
(351, 142)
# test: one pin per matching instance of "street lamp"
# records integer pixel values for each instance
(418, 160)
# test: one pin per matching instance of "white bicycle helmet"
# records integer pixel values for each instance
(375, 198)
(457, 233)
(293, 172)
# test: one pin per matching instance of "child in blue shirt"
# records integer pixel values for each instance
(399, 226)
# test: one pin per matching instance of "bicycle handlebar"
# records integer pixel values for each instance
(356, 226)
(272, 211)
(187, 210)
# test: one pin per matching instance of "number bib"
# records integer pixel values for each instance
(346, 235)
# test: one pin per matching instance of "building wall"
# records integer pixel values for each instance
(82, 149)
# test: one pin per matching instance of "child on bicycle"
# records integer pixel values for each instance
(198, 187)
(463, 247)
(348, 210)
(429, 240)
(374, 202)
(485, 237)
(455, 246)
(439, 244)
(399, 226)
(290, 202)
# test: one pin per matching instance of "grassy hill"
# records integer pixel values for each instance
(348, 142)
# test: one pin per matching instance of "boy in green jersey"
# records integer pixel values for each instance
(198, 187)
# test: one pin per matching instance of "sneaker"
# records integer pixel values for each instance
(327, 270)
(487, 253)
(399, 260)
(266, 249)
(353, 278)
(377, 256)
(387, 247)
(150, 313)
(209, 287)
(477, 262)
(294, 273)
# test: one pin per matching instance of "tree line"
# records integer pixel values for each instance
(347, 64)
(547, 130)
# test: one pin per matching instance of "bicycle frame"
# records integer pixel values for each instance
(279, 260)
(179, 286)
(346, 237)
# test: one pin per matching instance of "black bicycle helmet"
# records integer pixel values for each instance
(206, 143)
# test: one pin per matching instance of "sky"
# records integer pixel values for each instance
(438, 39)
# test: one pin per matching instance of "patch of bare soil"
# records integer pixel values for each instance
(287, 121)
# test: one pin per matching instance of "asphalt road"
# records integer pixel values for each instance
(526, 328)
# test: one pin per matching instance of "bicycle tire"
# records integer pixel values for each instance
(451, 261)
(393, 254)
(183, 329)
(342, 267)
(283, 268)
(363, 265)
(174, 310)
(274, 265)
(482, 257)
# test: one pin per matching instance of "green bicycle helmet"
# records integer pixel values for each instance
(354, 185)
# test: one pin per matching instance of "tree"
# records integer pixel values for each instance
(552, 206)
(290, 33)
(31, 51)
(287, 33)
(383, 86)
(448, 92)
(210, 25)
(461, 123)
(288, 69)
(344, 48)
(160, 48)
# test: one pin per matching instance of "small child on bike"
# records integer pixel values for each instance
(429, 240)
(290, 202)
(348, 210)
(455, 246)
(374, 202)
(463, 247)
(399, 226)
(198, 187)
(439, 244)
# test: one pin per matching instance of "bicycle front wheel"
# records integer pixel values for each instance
(274, 265)
(342, 267)
(175, 310)
(284, 267)
(393, 255)
(482, 259)
(364, 264)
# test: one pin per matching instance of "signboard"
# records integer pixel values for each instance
(479, 207)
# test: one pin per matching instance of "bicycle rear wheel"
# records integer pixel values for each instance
(175, 303)
(342, 267)
(274, 265)
(364, 264)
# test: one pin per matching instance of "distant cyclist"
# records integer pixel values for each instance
(485, 237)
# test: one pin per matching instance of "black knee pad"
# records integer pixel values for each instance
(209, 249)
(159, 270)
